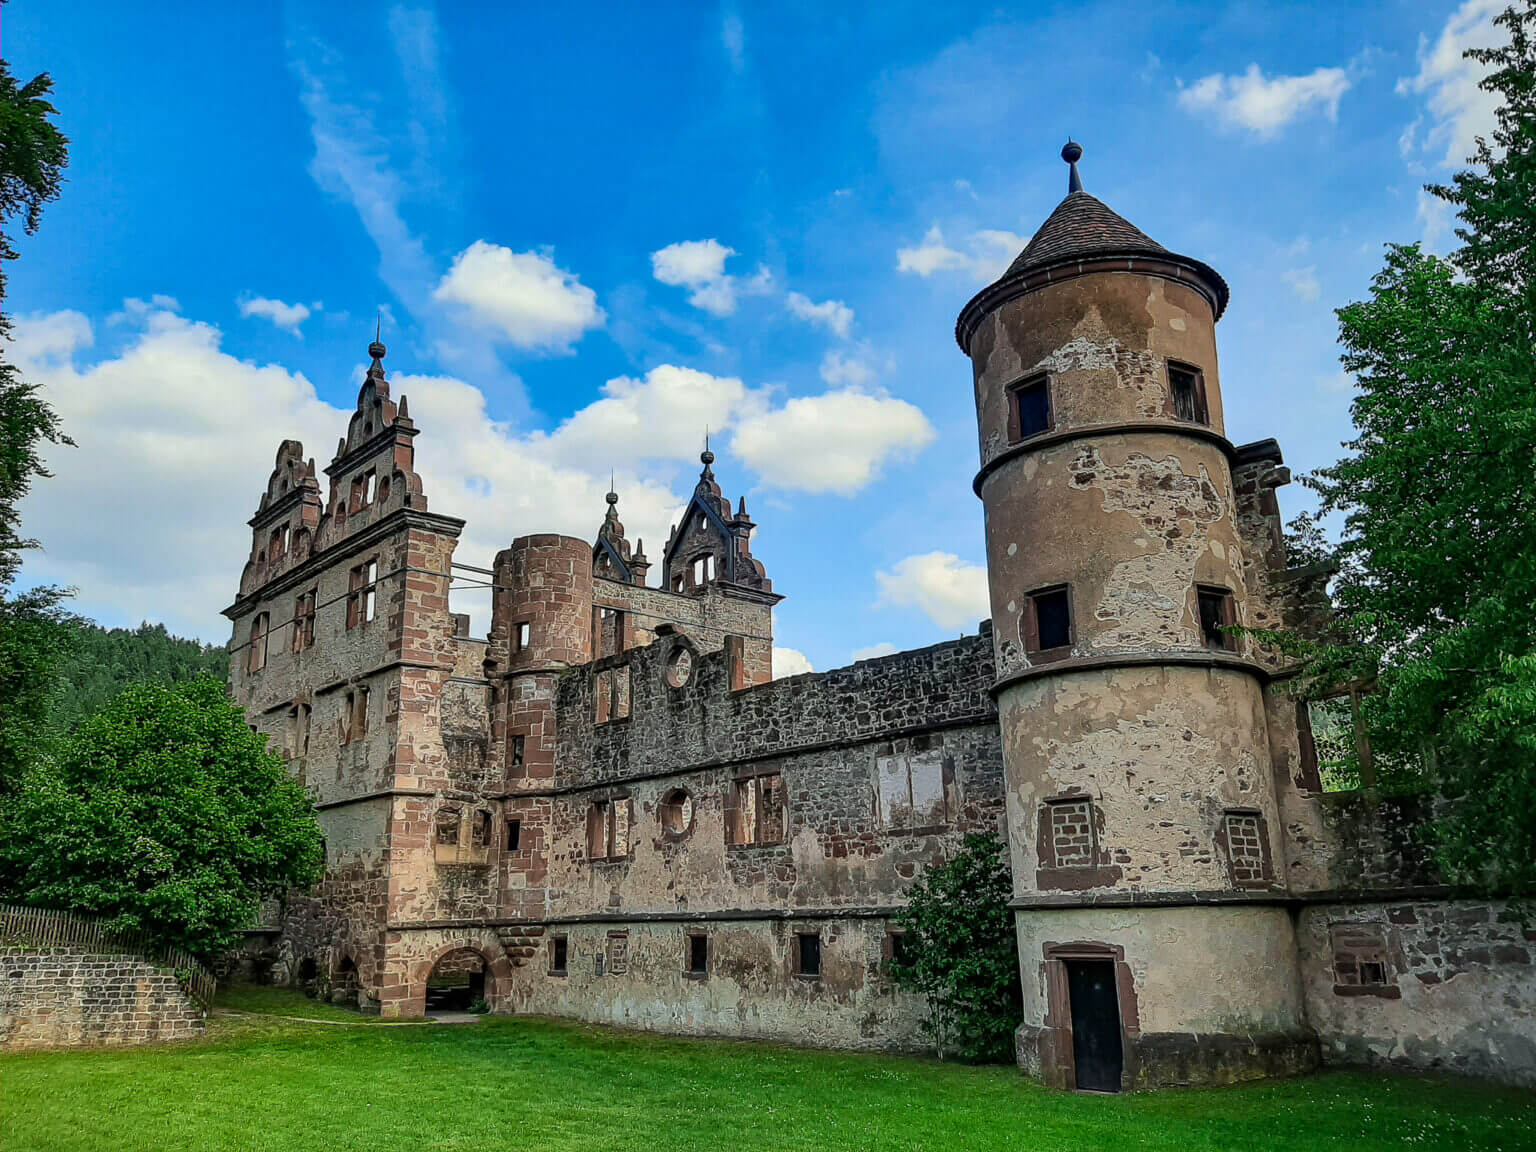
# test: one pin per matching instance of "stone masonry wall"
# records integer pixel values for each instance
(59, 997)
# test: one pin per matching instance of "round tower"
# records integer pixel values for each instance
(1155, 946)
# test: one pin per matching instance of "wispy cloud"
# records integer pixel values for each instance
(1263, 104)
(1459, 111)
(288, 317)
(986, 255)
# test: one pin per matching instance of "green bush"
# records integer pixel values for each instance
(960, 953)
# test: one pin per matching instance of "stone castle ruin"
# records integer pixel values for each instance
(607, 809)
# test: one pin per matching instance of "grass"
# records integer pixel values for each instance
(261, 1082)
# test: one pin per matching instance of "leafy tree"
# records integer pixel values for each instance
(163, 812)
(106, 660)
(959, 951)
(38, 640)
(1436, 590)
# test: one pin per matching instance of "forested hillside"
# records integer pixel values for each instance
(103, 661)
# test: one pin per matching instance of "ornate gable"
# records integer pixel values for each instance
(710, 544)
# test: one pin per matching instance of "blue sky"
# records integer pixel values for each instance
(591, 237)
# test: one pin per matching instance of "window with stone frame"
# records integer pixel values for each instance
(1186, 388)
(559, 955)
(480, 829)
(298, 729)
(362, 593)
(353, 719)
(521, 633)
(516, 750)
(446, 826)
(1245, 843)
(1335, 743)
(697, 954)
(618, 953)
(608, 828)
(1029, 408)
(304, 621)
(1362, 963)
(1218, 612)
(808, 955)
(514, 834)
(1071, 839)
(256, 655)
(910, 790)
(1046, 626)
(756, 811)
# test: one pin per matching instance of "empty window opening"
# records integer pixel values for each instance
(354, 715)
(447, 826)
(304, 621)
(910, 790)
(298, 730)
(620, 682)
(558, 949)
(1048, 620)
(698, 954)
(1069, 828)
(1029, 408)
(1335, 744)
(676, 812)
(808, 955)
(677, 582)
(362, 593)
(480, 830)
(518, 750)
(521, 632)
(256, 658)
(1361, 964)
(757, 811)
(278, 545)
(898, 950)
(611, 627)
(703, 569)
(514, 835)
(370, 487)
(608, 824)
(1218, 612)
(1188, 387)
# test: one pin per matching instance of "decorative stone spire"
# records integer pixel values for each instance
(1072, 153)
(707, 458)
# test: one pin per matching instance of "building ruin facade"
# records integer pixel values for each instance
(608, 809)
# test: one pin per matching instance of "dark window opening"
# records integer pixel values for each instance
(520, 636)
(518, 747)
(1188, 387)
(808, 954)
(514, 835)
(1218, 611)
(698, 954)
(480, 830)
(898, 949)
(557, 955)
(1049, 622)
(1029, 408)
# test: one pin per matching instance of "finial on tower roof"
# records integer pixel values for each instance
(377, 349)
(1072, 153)
(706, 457)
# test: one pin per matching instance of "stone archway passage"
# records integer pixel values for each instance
(458, 982)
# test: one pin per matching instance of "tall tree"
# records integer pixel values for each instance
(164, 812)
(1436, 593)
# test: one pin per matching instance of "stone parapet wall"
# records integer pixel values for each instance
(62, 997)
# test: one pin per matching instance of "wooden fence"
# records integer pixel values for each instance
(53, 928)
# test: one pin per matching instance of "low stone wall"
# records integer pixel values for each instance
(1428, 985)
(62, 997)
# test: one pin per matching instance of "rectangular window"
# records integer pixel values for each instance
(910, 790)
(620, 684)
(362, 593)
(514, 835)
(1361, 963)
(354, 715)
(757, 811)
(355, 500)
(480, 830)
(520, 635)
(446, 824)
(698, 954)
(618, 953)
(1246, 841)
(256, 657)
(608, 827)
(304, 621)
(518, 750)
(298, 730)
(558, 948)
(897, 950)
(1048, 620)
(1218, 611)
(1187, 384)
(1029, 408)
(808, 955)
(370, 486)
(1069, 827)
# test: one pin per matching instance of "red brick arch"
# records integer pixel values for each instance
(498, 976)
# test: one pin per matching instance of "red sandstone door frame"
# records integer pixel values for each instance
(1058, 1066)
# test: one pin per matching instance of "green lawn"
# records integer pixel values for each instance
(261, 1083)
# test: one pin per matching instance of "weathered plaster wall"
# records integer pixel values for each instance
(1461, 992)
(63, 998)
(750, 989)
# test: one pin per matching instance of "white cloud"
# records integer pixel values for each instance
(285, 316)
(699, 265)
(987, 256)
(733, 39)
(884, 648)
(951, 592)
(1265, 104)
(840, 370)
(1460, 109)
(833, 315)
(789, 662)
(1303, 282)
(834, 442)
(521, 297)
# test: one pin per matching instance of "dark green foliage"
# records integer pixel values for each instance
(1436, 591)
(961, 954)
(38, 641)
(165, 812)
(107, 660)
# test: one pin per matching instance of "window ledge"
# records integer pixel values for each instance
(1380, 991)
